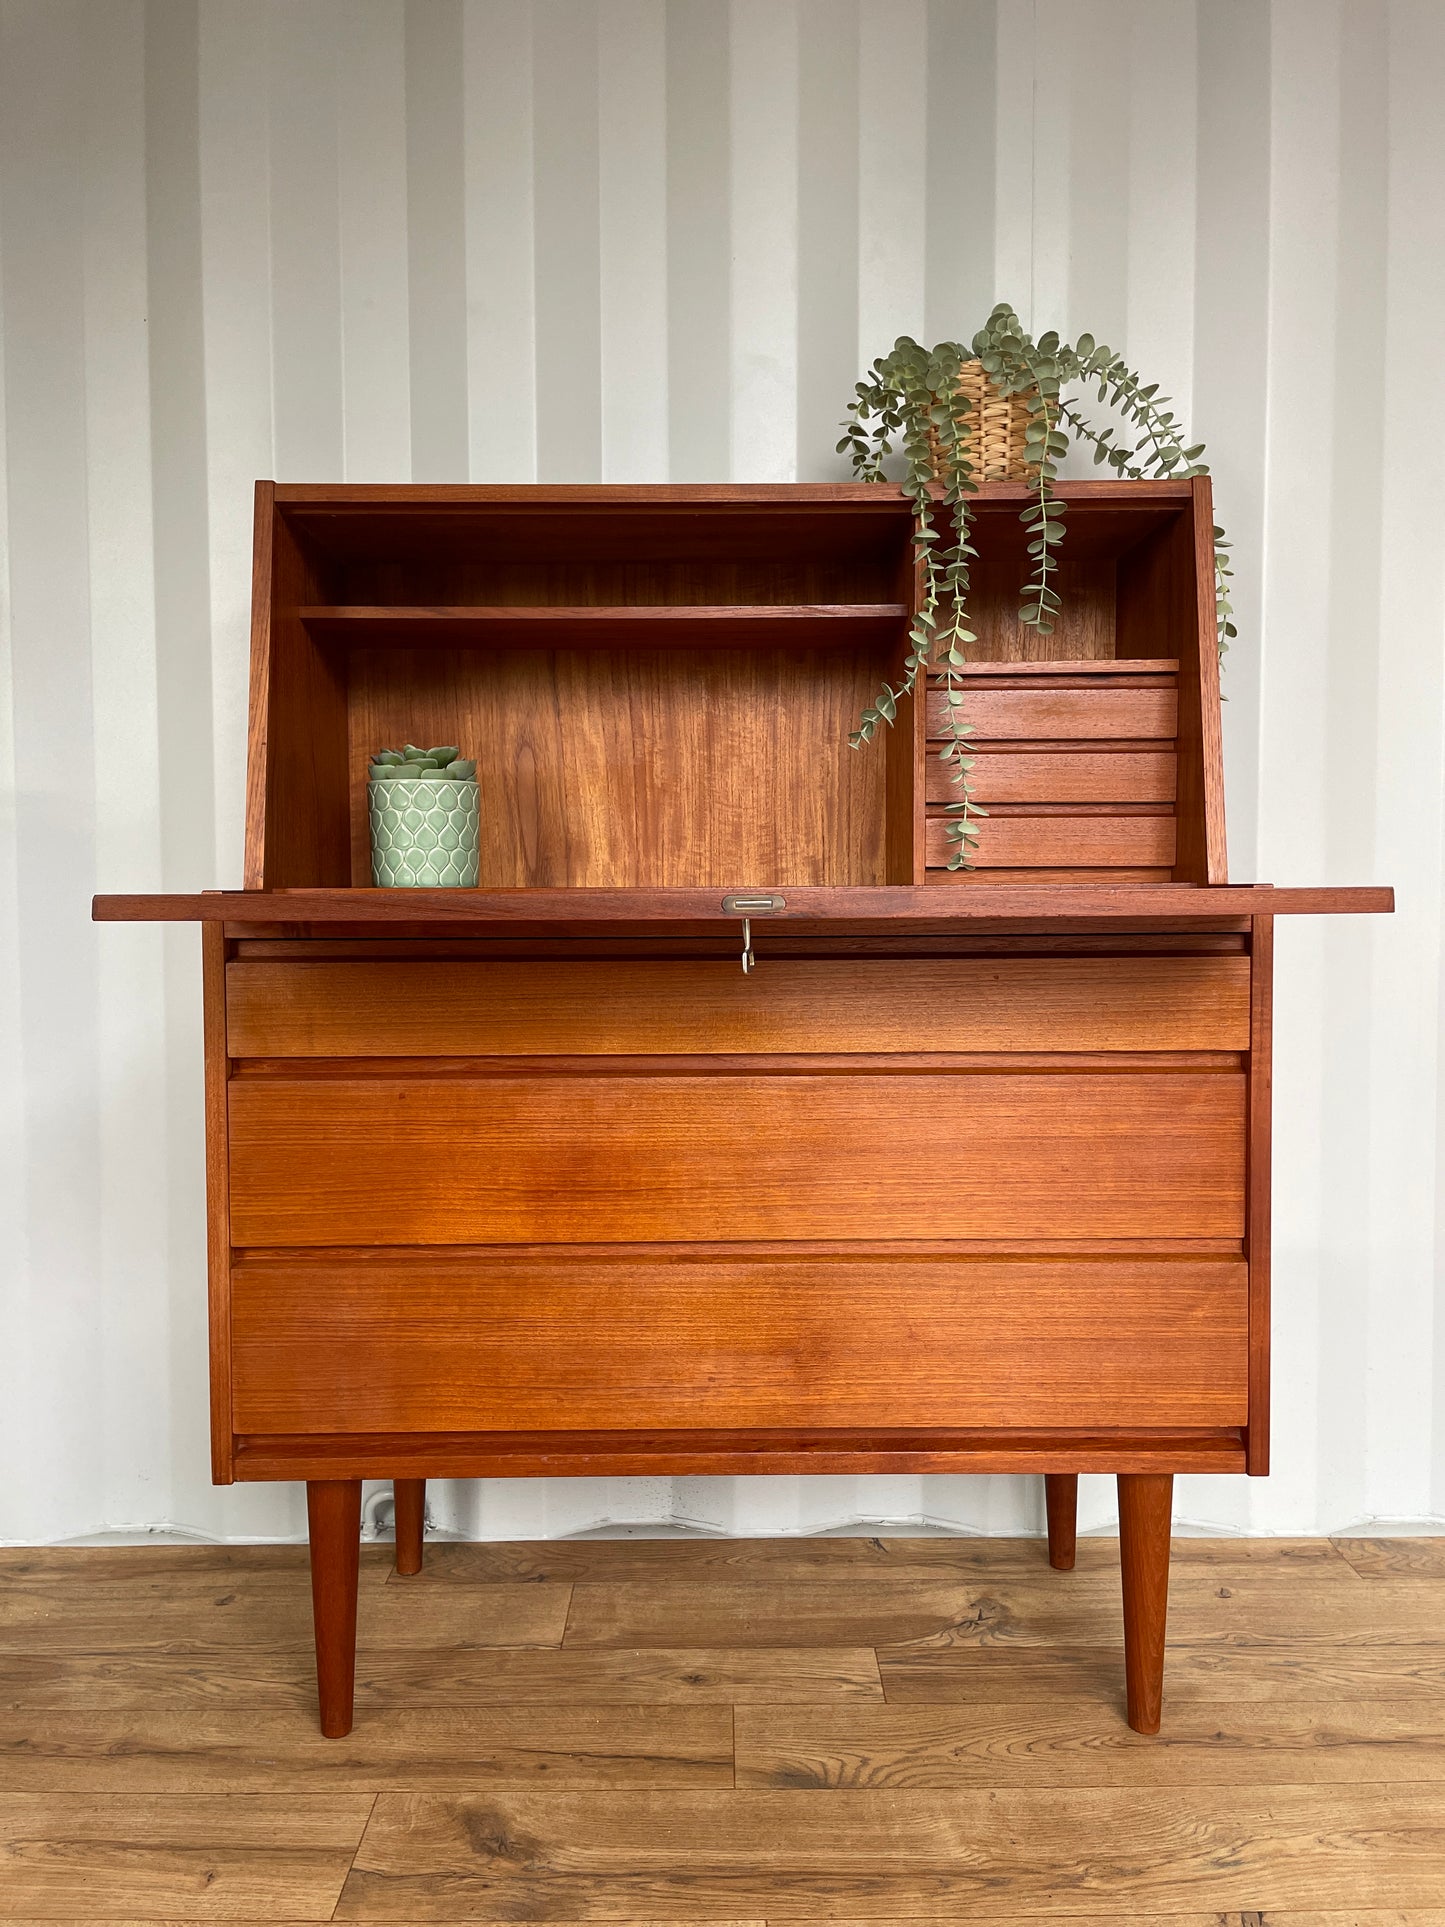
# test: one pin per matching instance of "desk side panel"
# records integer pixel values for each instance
(218, 1196)
(1258, 1200)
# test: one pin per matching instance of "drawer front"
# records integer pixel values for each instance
(412, 1342)
(1054, 714)
(606, 1158)
(1031, 842)
(400, 1009)
(1050, 776)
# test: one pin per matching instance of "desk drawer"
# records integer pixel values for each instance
(402, 1009)
(470, 1158)
(421, 1342)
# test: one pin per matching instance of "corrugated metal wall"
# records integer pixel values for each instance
(650, 239)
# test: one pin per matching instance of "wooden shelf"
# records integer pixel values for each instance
(644, 625)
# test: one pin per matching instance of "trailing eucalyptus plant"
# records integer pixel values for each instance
(912, 402)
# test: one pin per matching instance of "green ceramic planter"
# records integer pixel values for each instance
(424, 832)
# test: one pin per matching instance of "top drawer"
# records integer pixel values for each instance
(708, 1007)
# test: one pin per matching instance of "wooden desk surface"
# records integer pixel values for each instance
(933, 907)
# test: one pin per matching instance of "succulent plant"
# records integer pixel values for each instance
(387, 765)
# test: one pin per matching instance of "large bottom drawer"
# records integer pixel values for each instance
(419, 1342)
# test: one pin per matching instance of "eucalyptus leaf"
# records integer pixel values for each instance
(913, 399)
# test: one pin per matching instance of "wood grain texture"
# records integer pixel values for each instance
(922, 908)
(1257, 1201)
(1205, 629)
(103, 1856)
(235, 1749)
(1045, 839)
(333, 1511)
(684, 1561)
(1061, 776)
(949, 1855)
(619, 658)
(191, 1564)
(934, 1614)
(1268, 1669)
(218, 1196)
(613, 1159)
(1074, 715)
(1039, 822)
(1014, 674)
(1061, 1506)
(1145, 1503)
(297, 825)
(440, 1009)
(685, 626)
(408, 1342)
(259, 697)
(345, 944)
(1008, 878)
(591, 764)
(1297, 1780)
(212, 1613)
(1166, 607)
(409, 1521)
(1084, 625)
(1353, 1917)
(499, 562)
(755, 1452)
(936, 1622)
(443, 1673)
(1394, 1558)
(1064, 1743)
(905, 745)
(432, 505)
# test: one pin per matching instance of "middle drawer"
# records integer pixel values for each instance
(604, 1156)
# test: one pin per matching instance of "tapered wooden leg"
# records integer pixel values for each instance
(1061, 1499)
(333, 1510)
(410, 1509)
(1146, 1502)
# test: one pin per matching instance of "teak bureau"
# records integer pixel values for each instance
(970, 1172)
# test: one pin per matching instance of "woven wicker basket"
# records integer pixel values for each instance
(993, 431)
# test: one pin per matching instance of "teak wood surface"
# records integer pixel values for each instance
(970, 1173)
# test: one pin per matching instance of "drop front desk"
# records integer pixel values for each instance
(970, 1173)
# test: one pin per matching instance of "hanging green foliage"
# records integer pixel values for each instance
(912, 405)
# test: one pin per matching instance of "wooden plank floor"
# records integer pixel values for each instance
(822, 1730)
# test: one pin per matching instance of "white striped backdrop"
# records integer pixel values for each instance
(632, 240)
